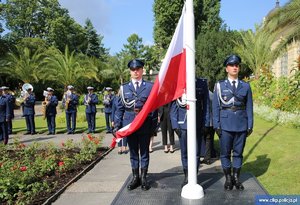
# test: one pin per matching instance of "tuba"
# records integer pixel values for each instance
(24, 94)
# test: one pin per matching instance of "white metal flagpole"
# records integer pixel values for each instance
(192, 190)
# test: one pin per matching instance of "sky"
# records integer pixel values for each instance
(116, 20)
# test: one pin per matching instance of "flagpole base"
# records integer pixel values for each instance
(192, 191)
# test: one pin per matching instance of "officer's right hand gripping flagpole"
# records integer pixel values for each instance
(192, 190)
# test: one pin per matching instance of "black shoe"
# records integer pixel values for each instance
(49, 133)
(166, 151)
(144, 183)
(120, 152)
(27, 133)
(135, 180)
(69, 133)
(228, 182)
(206, 161)
(33, 133)
(185, 180)
(236, 181)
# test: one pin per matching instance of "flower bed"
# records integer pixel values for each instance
(31, 174)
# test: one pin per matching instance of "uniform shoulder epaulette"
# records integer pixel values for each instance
(150, 82)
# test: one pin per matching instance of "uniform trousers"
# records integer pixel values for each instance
(9, 127)
(108, 120)
(139, 150)
(91, 120)
(184, 149)
(3, 132)
(71, 116)
(232, 142)
(51, 123)
(30, 124)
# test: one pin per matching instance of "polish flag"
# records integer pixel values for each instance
(169, 85)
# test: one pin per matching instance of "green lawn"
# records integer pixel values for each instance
(19, 126)
(272, 155)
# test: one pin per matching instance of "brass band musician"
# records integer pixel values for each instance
(51, 103)
(70, 102)
(90, 101)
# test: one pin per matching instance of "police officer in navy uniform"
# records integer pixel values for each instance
(51, 112)
(11, 103)
(179, 122)
(133, 96)
(70, 102)
(108, 103)
(90, 102)
(4, 117)
(232, 120)
(29, 112)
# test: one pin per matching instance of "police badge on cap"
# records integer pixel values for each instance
(135, 63)
(232, 60)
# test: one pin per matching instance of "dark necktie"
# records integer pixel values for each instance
(233, 86)
(136, 86)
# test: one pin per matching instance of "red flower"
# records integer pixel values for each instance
(62, 144)
(1, 164)
(90, 137)
(23, 168)
(61, 163)
(22, 145)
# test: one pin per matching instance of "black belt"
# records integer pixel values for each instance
(234, 108)
(135, 110)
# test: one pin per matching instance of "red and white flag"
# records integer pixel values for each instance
(169, 85)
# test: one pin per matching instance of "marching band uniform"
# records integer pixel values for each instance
(179, 123)
(29, 112)
(71, 111)
(51, 112)
(11, 103)
(4, 116)
(133, 96)
(232, 120)
(107, 101)
(90, 101)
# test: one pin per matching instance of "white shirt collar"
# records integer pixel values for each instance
(134, 81)
(236, 81)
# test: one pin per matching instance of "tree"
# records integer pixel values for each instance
(255, 50)
(134, 47)
(31, 18)
(95, 46)
(285, 20)
(64, 31)
(23, 65)
(212, 47)
(68, 68)
(167, 14)
(43, 19)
